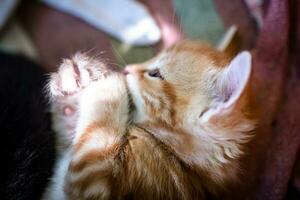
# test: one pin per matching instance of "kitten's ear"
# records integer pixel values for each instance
(232, 82)
(234, 79)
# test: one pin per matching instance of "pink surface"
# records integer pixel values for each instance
(271, 166)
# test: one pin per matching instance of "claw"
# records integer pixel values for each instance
(76, 73)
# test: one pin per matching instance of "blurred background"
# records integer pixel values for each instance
(120, 31)
(128, 31)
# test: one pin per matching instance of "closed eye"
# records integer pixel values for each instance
(155, 73)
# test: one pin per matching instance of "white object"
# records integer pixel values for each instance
(127, 20)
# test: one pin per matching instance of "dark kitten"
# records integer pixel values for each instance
(27, 144)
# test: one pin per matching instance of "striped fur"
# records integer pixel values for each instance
(178, 143)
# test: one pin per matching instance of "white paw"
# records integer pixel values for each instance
(75, 74)
(66, 86)
(64, 111)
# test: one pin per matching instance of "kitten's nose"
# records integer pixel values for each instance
(125, 71)
(131, 69)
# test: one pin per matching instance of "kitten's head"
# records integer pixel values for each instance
(198, 91)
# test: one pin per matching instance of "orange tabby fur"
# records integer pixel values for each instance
(172, 148)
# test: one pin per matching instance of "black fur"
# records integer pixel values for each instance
(26, 140)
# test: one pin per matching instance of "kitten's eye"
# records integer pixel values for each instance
(155, 73)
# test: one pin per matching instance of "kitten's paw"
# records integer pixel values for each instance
(66, 87)
(64, 111)
(75, 74)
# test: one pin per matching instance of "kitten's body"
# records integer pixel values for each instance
(27, 142)
(187, 131)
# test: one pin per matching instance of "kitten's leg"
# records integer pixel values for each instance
(103, 115)
(66, 86)
(64, 112)
(64, 116)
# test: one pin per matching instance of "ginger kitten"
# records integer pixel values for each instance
(182, 140)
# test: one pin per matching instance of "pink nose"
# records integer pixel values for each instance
(126, 71)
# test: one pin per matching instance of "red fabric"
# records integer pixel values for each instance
(272, 172)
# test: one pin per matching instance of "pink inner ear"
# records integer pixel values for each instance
(230, 85)
(235, 78)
